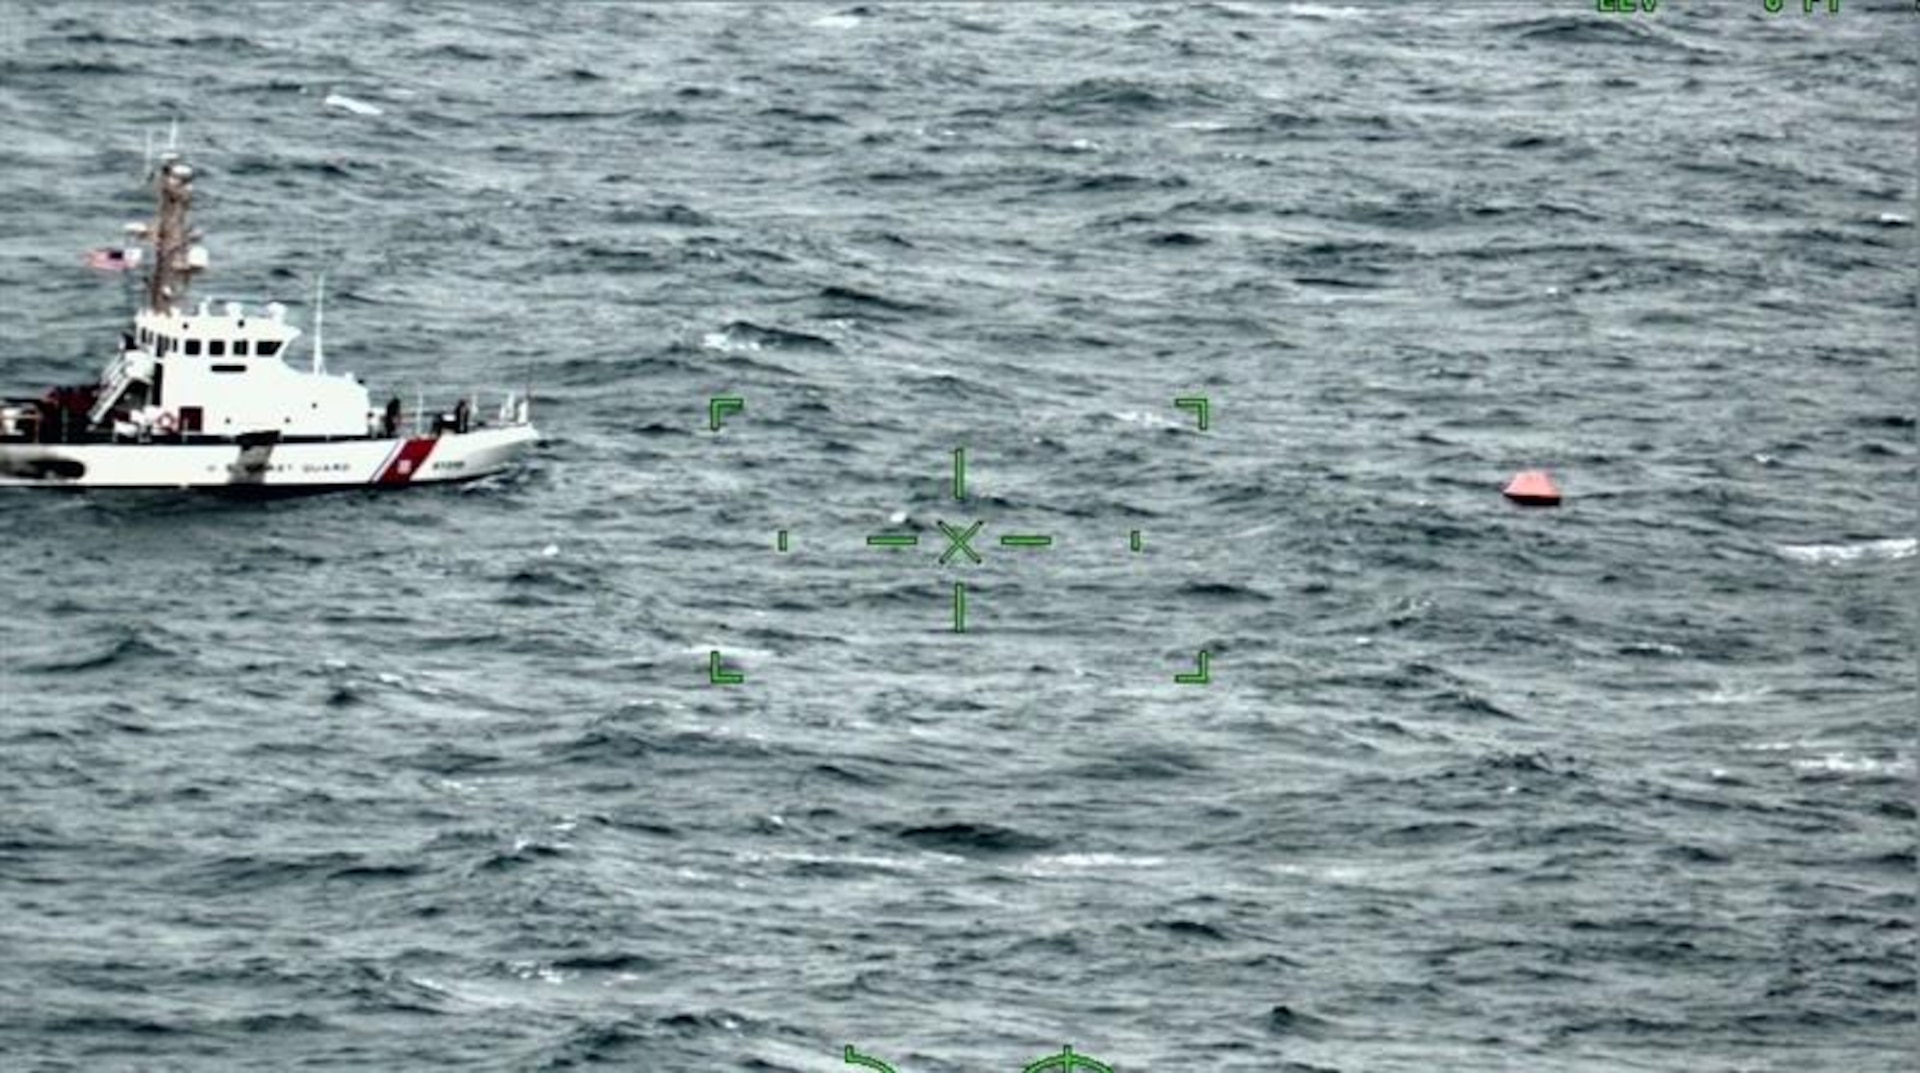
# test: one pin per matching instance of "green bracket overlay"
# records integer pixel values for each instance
(886, 540)
(718, 677)
(1133, 540)
(1067, 1060)
(959, 473)
(1016, 540)
(720, 406)
(959, 607)
(1199, 405)
(855, 1058)
(1201, 677)
(781, 543)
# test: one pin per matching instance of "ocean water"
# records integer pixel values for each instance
(441, 779)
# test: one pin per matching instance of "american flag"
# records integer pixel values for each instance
(107, 259)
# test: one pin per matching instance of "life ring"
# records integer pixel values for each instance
(165, 423)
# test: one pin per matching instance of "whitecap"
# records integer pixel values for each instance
(729, 650)
(1893, 219)
(1831, 554)
(534, 970)
(344, 103)
(1853, 764)
(1727, 693)
(726, 342)
(1320, 11)
(1082, 862)
(1652, 648)
(1151, 420)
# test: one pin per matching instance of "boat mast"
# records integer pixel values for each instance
(175, 257)
(319, 324)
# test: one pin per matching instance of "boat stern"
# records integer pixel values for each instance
(479, 452)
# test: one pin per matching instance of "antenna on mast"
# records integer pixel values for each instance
(319, 325)
(175, 256)
(173, 133)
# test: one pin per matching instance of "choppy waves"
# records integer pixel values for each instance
(443, 779)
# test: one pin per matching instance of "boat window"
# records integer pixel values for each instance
(239, 348)
(193, 348)
(216, 348)
(229, 368)
(268, 348)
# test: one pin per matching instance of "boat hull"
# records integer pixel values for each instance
(295, 466)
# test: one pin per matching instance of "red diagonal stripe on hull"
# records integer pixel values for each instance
(405, 465)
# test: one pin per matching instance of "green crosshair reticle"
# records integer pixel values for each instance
(1067, 1060)
(957, 542)
(960, 545)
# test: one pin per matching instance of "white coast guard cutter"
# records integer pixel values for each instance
(203, 398)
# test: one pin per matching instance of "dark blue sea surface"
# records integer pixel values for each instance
(440, 780)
